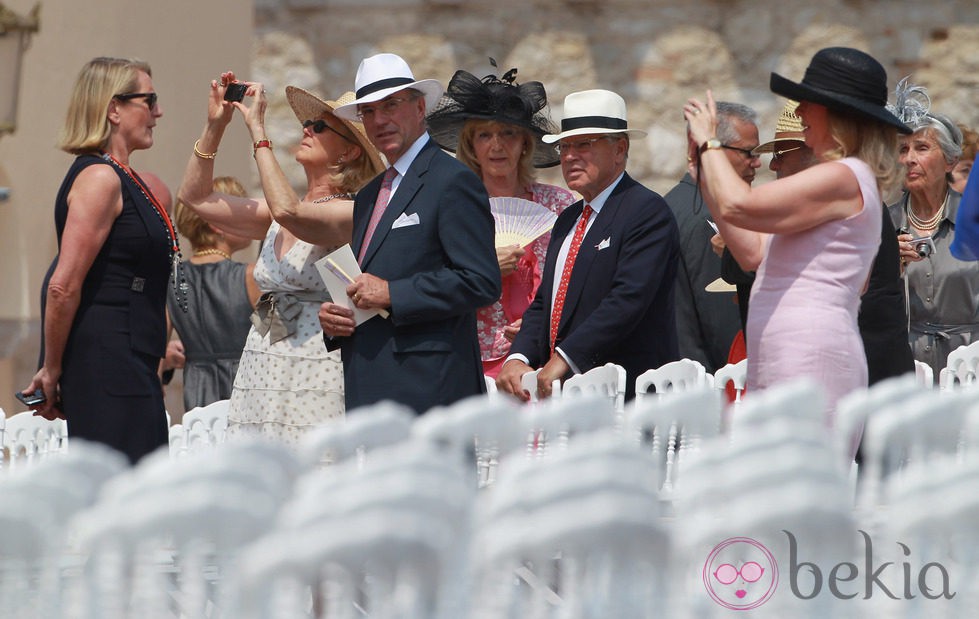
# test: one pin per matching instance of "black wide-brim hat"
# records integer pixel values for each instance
(844, 80)
(469, 98)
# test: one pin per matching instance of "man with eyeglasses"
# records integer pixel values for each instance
(423, 235)
(707, 322)
(606, 292)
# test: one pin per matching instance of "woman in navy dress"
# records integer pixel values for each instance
(105, 296)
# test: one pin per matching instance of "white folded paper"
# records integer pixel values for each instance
(338, 270)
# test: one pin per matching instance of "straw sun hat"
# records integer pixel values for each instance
(308, 106)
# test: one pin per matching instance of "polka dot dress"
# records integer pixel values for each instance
(283, 390)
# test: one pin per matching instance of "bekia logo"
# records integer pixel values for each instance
(740, 573)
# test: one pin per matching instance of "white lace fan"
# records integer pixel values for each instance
(519, 221)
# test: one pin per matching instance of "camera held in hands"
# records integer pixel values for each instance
(235, 91)
(924, 246)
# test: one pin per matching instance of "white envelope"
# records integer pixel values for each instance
(338, 269)
(405, 220)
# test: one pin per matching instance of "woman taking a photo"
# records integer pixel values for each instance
(104, 305)
(287, 382)
(814, 233)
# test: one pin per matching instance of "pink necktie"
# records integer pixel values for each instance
(562, 289)
(383, 196)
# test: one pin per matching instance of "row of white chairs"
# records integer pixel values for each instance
(599, 522)
(26, 438)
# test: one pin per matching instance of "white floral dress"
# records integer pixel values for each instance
(285, 388)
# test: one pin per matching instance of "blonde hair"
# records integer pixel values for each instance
(199, 232)
(970, 143)
(466, 153)
(873, 142)
(87, 127)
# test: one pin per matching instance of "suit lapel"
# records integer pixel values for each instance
(407, 188)
(599, 231)
(562, 228)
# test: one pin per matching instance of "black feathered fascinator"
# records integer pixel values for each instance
(493, 98)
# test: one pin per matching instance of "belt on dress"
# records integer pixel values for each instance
(277, 312)
(943, 331)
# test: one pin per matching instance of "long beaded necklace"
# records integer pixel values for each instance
(332, 196)
(179, 280)
(927, 225)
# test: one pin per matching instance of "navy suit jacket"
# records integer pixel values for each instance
(619, 305)
(439, 272)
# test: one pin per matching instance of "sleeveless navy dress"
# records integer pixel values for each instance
(110, 389)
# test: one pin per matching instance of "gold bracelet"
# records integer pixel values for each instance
(197, 151)
(266, 143)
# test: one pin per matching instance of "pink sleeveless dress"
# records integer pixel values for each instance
(802, 318)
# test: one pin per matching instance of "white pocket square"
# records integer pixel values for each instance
(405, 220)
(605, 243)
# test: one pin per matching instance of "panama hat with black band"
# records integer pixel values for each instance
(593, 112)
(382, 75)
(844, 80)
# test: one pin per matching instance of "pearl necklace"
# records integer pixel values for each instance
(927, 225)
(331, 197)
(179, 280)
(213, 252)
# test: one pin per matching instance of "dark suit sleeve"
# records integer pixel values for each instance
(646, 265)
(470, 278)
(690, 336)
(533, 336)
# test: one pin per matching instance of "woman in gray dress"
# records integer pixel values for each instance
(221, 295)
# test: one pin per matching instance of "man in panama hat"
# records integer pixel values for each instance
(606, 293)
(423, 235)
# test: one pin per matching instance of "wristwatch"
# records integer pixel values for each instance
(711, 143)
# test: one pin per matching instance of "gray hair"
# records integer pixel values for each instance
(948, 136)
(728, 112)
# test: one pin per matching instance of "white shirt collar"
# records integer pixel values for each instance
(404, 162)
(600, 199)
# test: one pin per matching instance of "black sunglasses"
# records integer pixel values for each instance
(151, 97)
(319, 126)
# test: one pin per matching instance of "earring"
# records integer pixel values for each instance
(339, 160)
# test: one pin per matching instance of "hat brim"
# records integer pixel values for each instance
(432, 89)
(446, 129)
(834, 101)
(769, 146)
(307, 106)
(552, 138)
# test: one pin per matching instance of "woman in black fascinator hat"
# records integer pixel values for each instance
(494, 126)
(811, 236)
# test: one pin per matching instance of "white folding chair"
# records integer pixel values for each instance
(363, 429)
(737, 375)
(28, 437)
(924, 374)
(206, 425)
(607, 380)
(682, 375)
(961, 367)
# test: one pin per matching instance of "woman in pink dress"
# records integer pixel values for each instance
(495, 126)
(811, 236)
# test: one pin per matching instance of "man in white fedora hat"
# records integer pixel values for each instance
(606, 294)
(423, 235)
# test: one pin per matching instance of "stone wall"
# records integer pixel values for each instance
(654, 53)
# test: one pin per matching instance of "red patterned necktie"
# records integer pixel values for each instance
(383, 197)
(562, 289)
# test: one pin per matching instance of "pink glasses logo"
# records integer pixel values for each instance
(740, 574)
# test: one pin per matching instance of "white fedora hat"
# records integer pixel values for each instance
(382, 75)
(593, 111)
